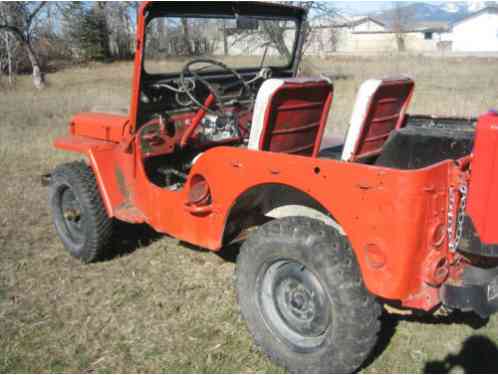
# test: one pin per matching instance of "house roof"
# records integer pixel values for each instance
(408, 31)
(358, 21)
(489, 9)
(345, 22)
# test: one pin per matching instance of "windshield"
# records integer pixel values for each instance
(242, 42)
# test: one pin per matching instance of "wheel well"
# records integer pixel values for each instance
(272, 201)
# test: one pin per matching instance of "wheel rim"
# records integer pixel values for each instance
(70, 215)
(295, 305)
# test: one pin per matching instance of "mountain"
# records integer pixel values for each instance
(420, 14)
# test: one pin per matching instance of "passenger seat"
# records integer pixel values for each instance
(379, 109)
(290, 115)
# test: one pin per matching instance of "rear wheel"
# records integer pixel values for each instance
(301, 293)
(78, 212)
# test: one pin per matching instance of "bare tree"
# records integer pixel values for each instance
(275, 31)
(401, 17)
(19, 21)
(186, 37)
(6, 60)
(225, 38)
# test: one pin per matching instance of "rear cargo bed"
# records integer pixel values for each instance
(427, 140)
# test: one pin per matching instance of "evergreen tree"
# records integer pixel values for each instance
(86, 27)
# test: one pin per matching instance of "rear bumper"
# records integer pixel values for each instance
(471, 242)
(478, 292)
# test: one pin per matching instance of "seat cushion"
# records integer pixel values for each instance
(265, 93)
(290, 115)
(358, 116)
(379, 109)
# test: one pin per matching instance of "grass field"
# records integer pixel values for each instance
(163, 306)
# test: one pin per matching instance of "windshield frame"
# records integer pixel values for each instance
(151, 9)
(229, 11)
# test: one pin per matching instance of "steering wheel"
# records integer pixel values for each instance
(188, 89)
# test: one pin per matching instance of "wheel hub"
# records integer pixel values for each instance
(299, 301)
(72, 214)
(294, 303)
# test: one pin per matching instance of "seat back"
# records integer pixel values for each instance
(379, 109)
(290, 115)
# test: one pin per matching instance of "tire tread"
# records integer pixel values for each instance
(358, 323)
(81, 176)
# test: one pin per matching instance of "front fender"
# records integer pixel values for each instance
(112, 167)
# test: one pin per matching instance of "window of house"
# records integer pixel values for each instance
(428, 35)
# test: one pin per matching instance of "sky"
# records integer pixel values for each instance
(367, 7)
(354, 7)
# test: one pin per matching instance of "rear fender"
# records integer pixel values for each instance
(382, 211)
(271, 201)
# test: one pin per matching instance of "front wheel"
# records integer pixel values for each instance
(300, 290)
(79, 215)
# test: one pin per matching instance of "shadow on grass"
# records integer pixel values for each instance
(230, 252)
(478, 355)
(127, 238)
(389, 322)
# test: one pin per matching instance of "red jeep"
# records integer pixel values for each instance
(230, 150)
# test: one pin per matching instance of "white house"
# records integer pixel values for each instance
(478, 32)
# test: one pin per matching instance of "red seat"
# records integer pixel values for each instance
(290, 115)
(379, 109)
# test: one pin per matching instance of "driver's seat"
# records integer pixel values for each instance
(290, 115)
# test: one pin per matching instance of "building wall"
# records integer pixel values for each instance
(326, 40)
(476, 34)
(386, 42)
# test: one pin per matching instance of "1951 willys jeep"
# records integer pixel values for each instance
(230, 150)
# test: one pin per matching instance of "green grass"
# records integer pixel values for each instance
(165, 307)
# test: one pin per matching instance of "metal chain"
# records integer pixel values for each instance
(461, 215)
(451, 208)
(454, 240)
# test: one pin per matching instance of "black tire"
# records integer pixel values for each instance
(301, 293)
(78, 212)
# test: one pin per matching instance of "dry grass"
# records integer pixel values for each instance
(167, 307)
(444, 86)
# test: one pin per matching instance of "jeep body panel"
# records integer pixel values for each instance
(481, 226)
(101, 126)
(397, 220)
(391, 217)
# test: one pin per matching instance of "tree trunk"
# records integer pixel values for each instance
(400, 42)
(38, 77)
(103, 29)
(225, 38)
(9, 56)
(186, 38)
(275, 33)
